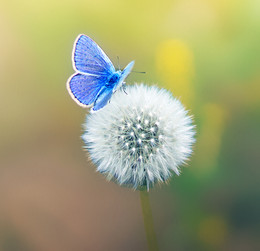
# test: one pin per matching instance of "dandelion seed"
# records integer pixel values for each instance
(145, 148)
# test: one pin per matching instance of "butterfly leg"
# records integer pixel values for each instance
(124, 88)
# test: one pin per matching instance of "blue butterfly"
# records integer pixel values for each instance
(96, 78)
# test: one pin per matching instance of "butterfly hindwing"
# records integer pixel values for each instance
(84, 89)
(89, 58)
(103, 97)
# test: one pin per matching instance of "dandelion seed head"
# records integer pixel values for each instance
(140, 138)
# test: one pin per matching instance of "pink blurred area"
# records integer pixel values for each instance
(49, 202)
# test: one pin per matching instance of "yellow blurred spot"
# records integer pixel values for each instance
(213, 231)
(209, 140)
(174, 62)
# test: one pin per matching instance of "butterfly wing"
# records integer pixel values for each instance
(103, 97)
(127, 70)
(84, 89)
(124, 74)
(89, 58)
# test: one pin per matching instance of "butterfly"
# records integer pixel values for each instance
(95, 78)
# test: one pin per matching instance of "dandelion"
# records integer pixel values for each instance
(141, 138)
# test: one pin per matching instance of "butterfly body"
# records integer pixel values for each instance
(114, 79)
(95, 79)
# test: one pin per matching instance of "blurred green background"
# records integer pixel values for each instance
(206, 52)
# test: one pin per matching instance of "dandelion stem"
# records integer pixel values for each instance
(148, 221)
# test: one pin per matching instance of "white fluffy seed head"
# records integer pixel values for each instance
(140, 138)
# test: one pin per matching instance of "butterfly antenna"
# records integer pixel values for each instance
(139, 71)
(118, 65)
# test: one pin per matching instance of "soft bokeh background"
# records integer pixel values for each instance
(207, 52)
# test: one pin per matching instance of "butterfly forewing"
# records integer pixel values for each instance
(124, 74)
(89, 58)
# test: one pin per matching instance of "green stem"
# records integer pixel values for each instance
(148, 221)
